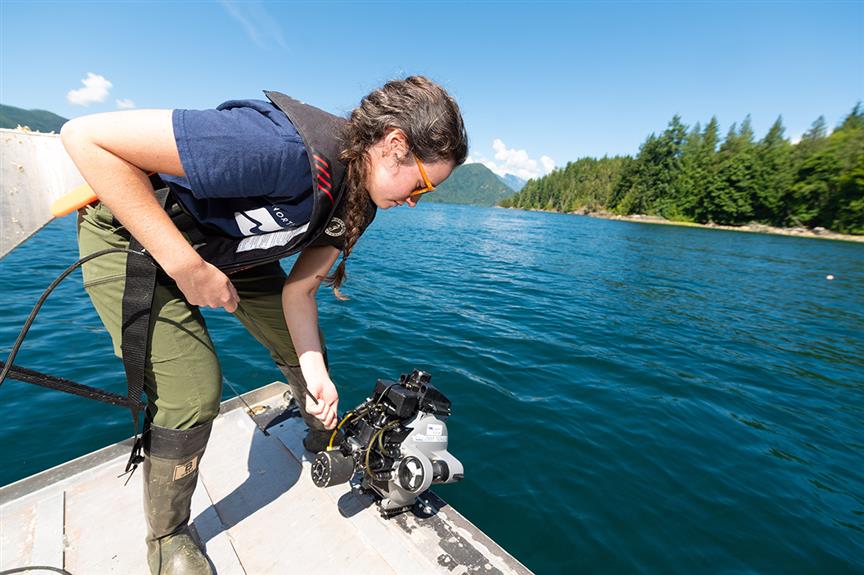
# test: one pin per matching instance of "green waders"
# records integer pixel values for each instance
(183, 379)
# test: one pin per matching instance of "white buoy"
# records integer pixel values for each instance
(829, 277)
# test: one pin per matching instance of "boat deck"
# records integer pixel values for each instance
(256, 511)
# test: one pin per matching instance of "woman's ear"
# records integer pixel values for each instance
(396, 144)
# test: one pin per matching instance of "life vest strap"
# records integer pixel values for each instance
(135, 328)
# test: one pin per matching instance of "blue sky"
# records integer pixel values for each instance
(540, 83)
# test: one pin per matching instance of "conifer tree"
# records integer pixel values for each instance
(688, 183)
(850, 183)
(666, 182)
(814, 166)
(625, 196)
(651, 184)
(773, 177)
(839, 168)
(705, 172)
(732, 197)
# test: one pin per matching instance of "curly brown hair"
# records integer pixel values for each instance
(432, 123)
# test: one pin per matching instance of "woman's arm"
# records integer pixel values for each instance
(114, 152)
(301, 315)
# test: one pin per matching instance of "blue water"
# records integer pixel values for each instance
(627, 398)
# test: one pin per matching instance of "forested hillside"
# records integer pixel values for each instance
(691, 174)
(470, 184)
(36, 120)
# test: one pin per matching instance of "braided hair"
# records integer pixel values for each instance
(432, 123)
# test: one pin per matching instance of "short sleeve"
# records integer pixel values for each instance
(239, 150)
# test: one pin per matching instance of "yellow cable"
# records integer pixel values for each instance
(335, 431)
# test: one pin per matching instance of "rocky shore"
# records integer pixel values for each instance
(821, 233)
(754, 227)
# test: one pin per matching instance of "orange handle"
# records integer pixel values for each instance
(77, 198)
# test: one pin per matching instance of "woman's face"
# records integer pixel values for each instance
(394, 174)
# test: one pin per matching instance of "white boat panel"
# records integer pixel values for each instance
(35, 170)
(105, 523)
(48, 533)
(17, 531)
(219, 546)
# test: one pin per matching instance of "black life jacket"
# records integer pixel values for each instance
(319, 131)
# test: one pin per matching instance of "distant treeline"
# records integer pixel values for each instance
(690, 175)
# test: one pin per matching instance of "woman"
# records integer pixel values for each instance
(240, 176)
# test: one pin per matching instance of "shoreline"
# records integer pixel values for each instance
(818, 233)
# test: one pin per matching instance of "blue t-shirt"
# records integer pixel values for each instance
(246, 168)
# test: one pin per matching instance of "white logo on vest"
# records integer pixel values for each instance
(257, 221)
(335, 228)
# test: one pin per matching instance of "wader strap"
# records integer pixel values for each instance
(137, 301)
(66, 385)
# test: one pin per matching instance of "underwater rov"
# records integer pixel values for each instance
(397, 439)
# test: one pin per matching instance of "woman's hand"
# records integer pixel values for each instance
(327, 408)
(301, 317)
(204, 284)
(114, 152)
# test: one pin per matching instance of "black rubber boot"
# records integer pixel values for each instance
(171, 460)
(317, 437)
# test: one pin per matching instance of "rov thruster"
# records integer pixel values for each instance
(397, 439)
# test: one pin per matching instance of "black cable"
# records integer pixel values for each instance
(380, 397)
(7, 368)
(35, 568)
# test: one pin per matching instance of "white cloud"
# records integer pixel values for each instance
(95, 89)
(125, 103)
(256, 22)
(513, 161)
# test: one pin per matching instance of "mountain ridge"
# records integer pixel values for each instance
(36, 120)
(472, 184)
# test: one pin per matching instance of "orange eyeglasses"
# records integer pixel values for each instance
(428, 185)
